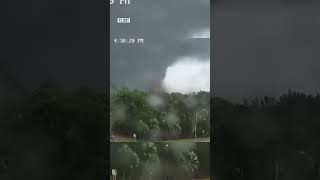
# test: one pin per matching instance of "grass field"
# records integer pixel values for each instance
(191, 140)
(120, 138)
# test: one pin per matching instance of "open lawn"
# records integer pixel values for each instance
(120, 138)
(191, 140)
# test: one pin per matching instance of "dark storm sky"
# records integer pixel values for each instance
(265, 48)
(66, 41)
(261, 47)
(165, 25)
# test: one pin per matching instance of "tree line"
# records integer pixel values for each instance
(54, 133)
(267, 138)
(160, 116)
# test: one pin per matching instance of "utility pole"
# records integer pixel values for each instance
(114, 174)
(167, 149)
(195, 127)
(134, 136)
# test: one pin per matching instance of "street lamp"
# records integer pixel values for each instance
(167, 149)
(114, 174)
(195, 126)
(202, 112)
(144, 131)
(134, 136)
(167, 146)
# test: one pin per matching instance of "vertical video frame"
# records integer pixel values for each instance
(160, 89)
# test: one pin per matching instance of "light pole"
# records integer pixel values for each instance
(203, 131)
(167, 149)
(202, 113)
(134, 136)
(143, 133)
(195, 127)
(114, 174)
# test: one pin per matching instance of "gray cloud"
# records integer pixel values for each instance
(266, 48)
(164, 25)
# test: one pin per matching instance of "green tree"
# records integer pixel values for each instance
(189, 161)
(149, 157)
(127, 160)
